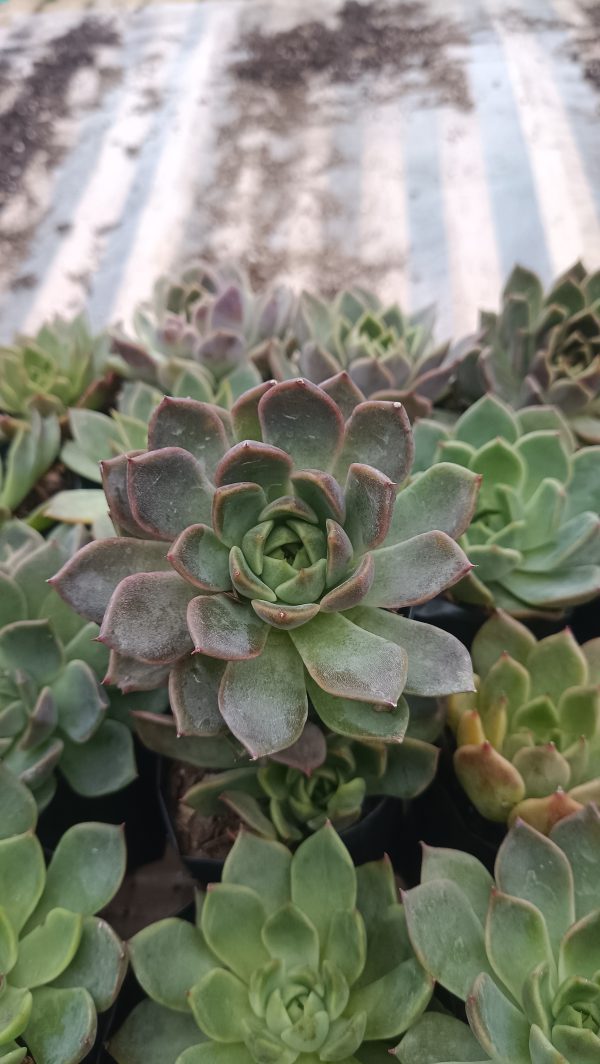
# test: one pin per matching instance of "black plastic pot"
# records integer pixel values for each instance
(136, 806)
(444, 816)
(367, 840)
(585, 621)
(465, 621)
(462, 621)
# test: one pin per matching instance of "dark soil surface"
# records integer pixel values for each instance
(27, 126)
(367, 39)
(198, 836)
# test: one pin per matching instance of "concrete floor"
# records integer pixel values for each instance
(391, 178)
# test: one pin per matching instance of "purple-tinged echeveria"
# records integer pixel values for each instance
(523, 952)
(195, 338)
(528, 740)
(259, 572)
(387, 354)
(541, 348)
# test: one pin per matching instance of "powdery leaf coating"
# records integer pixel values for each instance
(280, 544)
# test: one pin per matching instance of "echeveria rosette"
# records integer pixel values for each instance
(293, 959)
(528, 740)
(253, 557)
(198, 335)
(541, 348)
(60, 964)
(318, 779)
(62, 366)
(535, 536)
(53, 711)
(387, 354)
(523, 952)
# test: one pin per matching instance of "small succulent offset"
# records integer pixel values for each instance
(60, 964)
(541, 348)
(62, 366)
(293, 959)
(195, 337)
(251, 577)
(53, 711)
(529, 738)
(535, 537)
(387, 354)
(523, 952)
(319, 779)
(25, 456)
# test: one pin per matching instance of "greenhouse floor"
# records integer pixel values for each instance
(318, 141)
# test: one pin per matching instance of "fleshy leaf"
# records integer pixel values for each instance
(263, 700)
(146, 618)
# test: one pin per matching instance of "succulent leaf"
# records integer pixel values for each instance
(59, 966)
(283, 980)
(532, 730)
(535, 531)
(540, 1001)
(541, 347)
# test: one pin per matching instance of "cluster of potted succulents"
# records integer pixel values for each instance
(289, 584)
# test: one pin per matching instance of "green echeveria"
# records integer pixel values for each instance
(534, 539)
(292, 959)
(28, 454)
(529, 738)
(59, 963)
(387, 354)
(62, 366)
(541, 348)
(250, 576)
(96, 437)
(319, 778)
(53, 711)
(195, 338)
(523, 952)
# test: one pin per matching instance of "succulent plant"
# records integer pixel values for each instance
(320, 778)
(387, 354)
(60, 963)
(534, 539)
(253, 557)
(541, 348)
(62, 366)
(528, 741)
(195, 337)
(96, 436)
(53, 711)
(28, 454)
(293, 959)
(523, 952)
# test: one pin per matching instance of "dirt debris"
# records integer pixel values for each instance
(198, 836)
(28, 125)
(367, 39)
